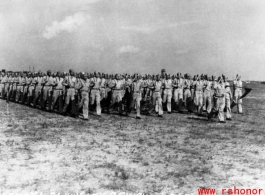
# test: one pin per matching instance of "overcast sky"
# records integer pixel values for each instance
(196, 36)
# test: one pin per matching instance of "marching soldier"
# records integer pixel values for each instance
(38, 88)
(117, 86)
(219, 96)
(207, 98)
(178, 91)
(238, 93)
(167, 92)
(137, 95)
(70, 83)
(187, 93)
(157, 99)
(95, 93)
(31, 87)
(228, 98)
(128, 94)
(58, 92)
(48, 83)
(199, 94)
(84, 86)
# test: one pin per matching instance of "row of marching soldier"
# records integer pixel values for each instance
(80, 93)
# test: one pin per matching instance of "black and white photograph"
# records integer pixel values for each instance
(132, 97)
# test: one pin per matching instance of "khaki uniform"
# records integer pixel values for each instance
(220, 101)
(95, 94)
(207, 97)
(199, 96)
(57, 92)
(157, 97)
(137, 96)
(84, 84)
(167, 96)
(228, 97)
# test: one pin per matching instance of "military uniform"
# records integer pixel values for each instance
(228, 97)
(178, 92)
(157, 97)
(207, 98)
(58, 93)
(167, 96)
(137, 96)
(84, 84)
(70, 81)
(95, 94)
(199, 96)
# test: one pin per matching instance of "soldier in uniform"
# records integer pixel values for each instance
(228, 98)
(238, 93)
(157, 98)
(117, 85)
(178, 91)
(70, 83)
(187, 93)
(84, 87)
(48, 83)
(2, 85)
(58, 92)
(219, 106)
(199, 94)
(95, 93)
(128, 94)
(38, 87)
(31, 87)
(137, 95)
(167, 92)
(207, 97)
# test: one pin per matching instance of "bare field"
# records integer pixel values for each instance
(45, 152)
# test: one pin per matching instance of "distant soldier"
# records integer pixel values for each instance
(47, 82)
(187, 92)
(228, 98)
(20, 85)
(128, 94)
(207, 98)
(219, 106)
(137, 95)
(70, 84)
(167, 92)
(117, 85)
(199, 94)
(38, 88)
(58, 92)
(157, 88)
(238, 93)
(84, 87)
(178, 92)
(95, 93)
(31, 88)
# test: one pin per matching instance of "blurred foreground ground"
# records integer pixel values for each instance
(44, 152)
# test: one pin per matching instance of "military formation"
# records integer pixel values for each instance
(78, 94)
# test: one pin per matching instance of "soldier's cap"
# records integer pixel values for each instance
(49, 71)
(82, 73)
(163, 70)
(71, 70)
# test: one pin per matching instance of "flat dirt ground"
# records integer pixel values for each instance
(48, 153)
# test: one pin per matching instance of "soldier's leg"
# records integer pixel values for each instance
(98, 103)
(228, 108)
(221, 106)
(18, 93)
(180, 100)
(160, 109)
(239, 104)
(120, 102)
(169, 97)
(67, 100)
(85, 104)
(138, 105)
(200, 103)
(92, 98)
(209, 103)
(73, 102)
(54, 98)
